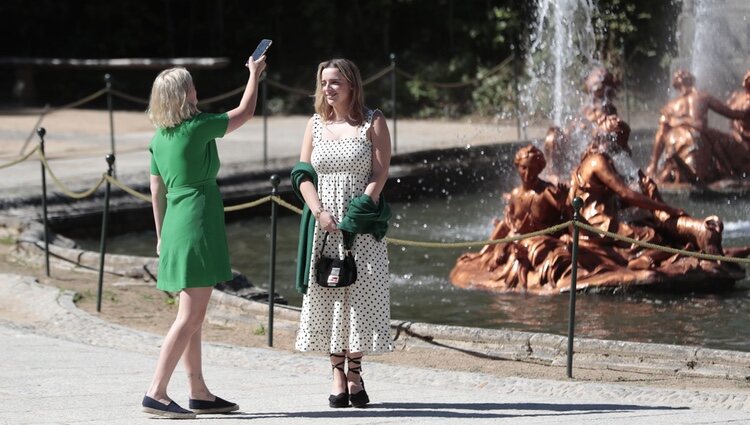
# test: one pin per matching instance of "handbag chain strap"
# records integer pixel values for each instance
(325, 239)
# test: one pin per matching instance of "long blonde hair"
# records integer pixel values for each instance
(357, 100)
(169, 104)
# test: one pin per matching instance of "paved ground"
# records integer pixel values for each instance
(63, 366)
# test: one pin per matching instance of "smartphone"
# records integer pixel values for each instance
(261, 49)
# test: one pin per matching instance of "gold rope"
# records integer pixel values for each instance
(473, 81)
(251, 204)
(129, 97)
(286, 204)
(21, 159)
(127, 189)
(660, 247)
(64, 189)
(546, 231)
(377, 76)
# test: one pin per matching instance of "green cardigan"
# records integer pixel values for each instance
(363, 216)
(304, 171)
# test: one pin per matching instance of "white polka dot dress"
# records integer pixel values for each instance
(355, 318)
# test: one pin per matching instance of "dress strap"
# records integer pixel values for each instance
(368, 121)
(317, 128)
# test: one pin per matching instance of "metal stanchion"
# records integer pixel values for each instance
(41, 132)
(263, 92)
(393, 99)
(108, 80)
(275, 180)
(103, 244)
(577, 205)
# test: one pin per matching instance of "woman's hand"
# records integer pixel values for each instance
(328, 222)
(256, 67)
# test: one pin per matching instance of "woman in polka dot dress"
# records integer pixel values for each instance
(349, 147)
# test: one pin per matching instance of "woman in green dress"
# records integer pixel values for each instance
(189, 218)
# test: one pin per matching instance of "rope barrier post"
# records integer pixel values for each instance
(577, 205)
(103, 244)
(108, 81)
(275, 180)
(264, 97)
(41, 132)
(393, 99)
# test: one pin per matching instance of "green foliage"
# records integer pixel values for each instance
(260, 330)
(435, 40)
(495, 94)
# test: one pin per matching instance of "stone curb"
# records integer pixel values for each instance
(524, 346)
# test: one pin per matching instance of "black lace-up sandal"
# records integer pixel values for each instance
(339, 400)
(359, 399)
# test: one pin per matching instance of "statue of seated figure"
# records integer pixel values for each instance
(693, 152)
(538, 261)
(740, 100)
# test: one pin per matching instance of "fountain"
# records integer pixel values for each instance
(618, 197)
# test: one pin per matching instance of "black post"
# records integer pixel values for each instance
(577, 205)
(393, 99)
(41, 132)
(103, 244)
(108, 80)
(263, 91)
(275, 180)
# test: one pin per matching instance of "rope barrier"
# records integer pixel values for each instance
(290, 89)
(127, 189)
(19, 160)
(378, 75)
(251, 204)
(129, 97)
(286, 205)
(546, 231)
(80, 102)
(65, 190)
(671, 250)
(393, 241)
(471, 82)
(448, 245)
(226, 95)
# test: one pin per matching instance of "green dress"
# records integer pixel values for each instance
(194, 249)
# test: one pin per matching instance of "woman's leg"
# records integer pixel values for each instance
(190, 314)
(353, 377)
(191, 358)
(338, 361)
(357, 394)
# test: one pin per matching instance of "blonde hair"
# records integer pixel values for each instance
(169, 105)
(351, 73)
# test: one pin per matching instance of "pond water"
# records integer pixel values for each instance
(421, 291)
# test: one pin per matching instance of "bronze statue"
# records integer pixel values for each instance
(540, 264)
(601, 86)
(562, 147)
(693, 152)
(529, 264)
(740, 100)
(619, 198)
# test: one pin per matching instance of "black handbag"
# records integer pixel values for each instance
(335, 272)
